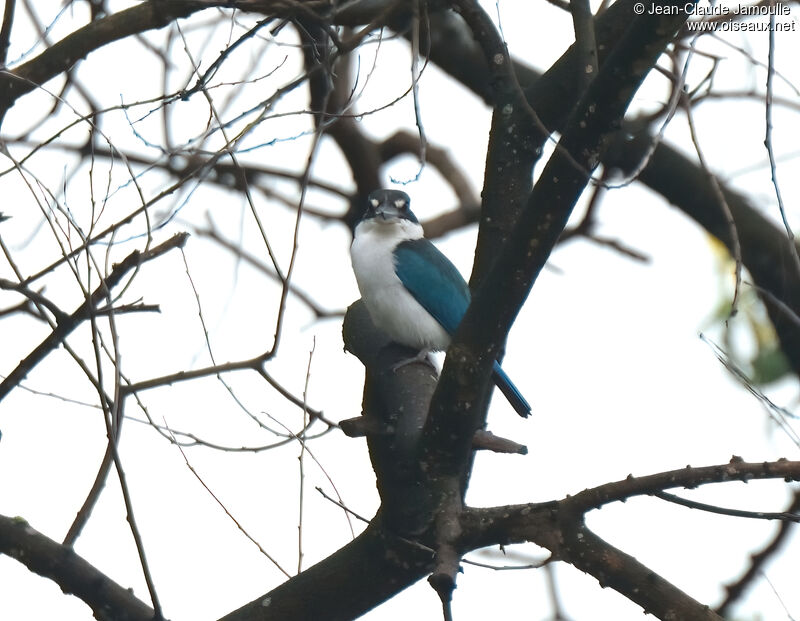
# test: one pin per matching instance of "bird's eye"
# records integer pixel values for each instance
(374, 202)
(400, 203)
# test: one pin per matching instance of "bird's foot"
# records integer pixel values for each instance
(422, 356)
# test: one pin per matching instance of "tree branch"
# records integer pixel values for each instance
(62, 55)
(65, 327)
(551, 95)
(559, 527)
(108, 600)
(736, 590)
(366, 572)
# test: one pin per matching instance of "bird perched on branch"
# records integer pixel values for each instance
(412, 291)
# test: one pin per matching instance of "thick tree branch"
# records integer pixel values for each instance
(366, 572)
(5, 30)
(689, 477)
(496, 303)
(620, 571)
(558, 526)
(395, 407)
(514, 523)
(108, 600)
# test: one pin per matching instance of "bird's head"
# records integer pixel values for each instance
(389, 206)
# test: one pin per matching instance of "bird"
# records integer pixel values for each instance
(411, 290)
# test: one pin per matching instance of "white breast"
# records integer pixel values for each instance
(390, 305)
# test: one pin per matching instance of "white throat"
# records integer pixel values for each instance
(383, 231)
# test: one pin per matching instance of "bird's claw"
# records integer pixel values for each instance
(423, 356)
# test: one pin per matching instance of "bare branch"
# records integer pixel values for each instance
(63, 55)
(108, 600)
(689, 477)
(736, 590)
(783, 516)
(84, 311)
(5, 30)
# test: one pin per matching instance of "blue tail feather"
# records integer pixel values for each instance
(511, 392)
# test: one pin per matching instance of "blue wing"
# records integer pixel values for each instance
(433, 281)
(441, 290)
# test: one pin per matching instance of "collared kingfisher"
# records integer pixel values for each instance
(411, 290)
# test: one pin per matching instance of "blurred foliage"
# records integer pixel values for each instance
(748, 337)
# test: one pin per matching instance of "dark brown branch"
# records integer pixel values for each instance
(108, 600)
(453, 220)
(620, 571)
(487, 441)
(85, 512)
(5, 31)
(26, 306)
(585, 43)
(35, 297)
(366, 572)
(393, 438)
(253, 364)
(735, 470)
(501, 525)
(225, 174)
(558, 526)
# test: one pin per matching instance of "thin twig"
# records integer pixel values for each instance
(768, 135)
(779, 415)
(783, 516)
(737, 589)
(339, 504)
(302, 440)
(228, 513)
(212, 233)
(301, 462)
(64, 328)
(722, 202)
